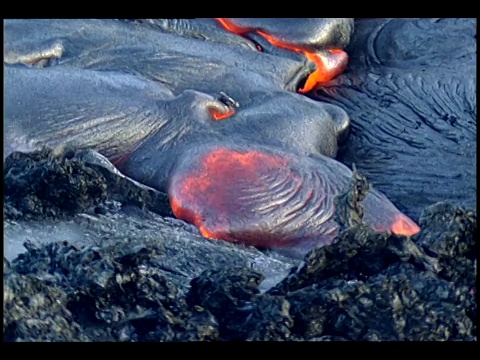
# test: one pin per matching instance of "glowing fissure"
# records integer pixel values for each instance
(217, 115)
(329, 63)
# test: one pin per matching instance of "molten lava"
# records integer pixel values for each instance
(268, 200)
(329, 62)
(217, 115)
(397, 224)
(404, 226)
(210, 196)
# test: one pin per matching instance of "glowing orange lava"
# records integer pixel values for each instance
(404, 226)
(221, 191)
(208, 196)
(329, 62)
(217, 115)
(401, 225)
(228, 25)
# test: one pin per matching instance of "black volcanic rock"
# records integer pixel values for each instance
(91, 255)
(136, 277)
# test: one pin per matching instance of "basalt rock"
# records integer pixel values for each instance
(156, 281)
(411, 87)
(81, 181)
(91, 255)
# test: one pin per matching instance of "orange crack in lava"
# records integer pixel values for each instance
(330, 62)
(232, 27)
(217, 115)
(329, 65)
(208, 196)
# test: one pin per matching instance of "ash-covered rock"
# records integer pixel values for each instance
(117, 293)
(375, 286)
(83, 181)
(28, 179)
(399, 303)
(233, 297)
(450, 235)
(36, 311)
(138, 276)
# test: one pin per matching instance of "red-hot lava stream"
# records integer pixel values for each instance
(329, 62)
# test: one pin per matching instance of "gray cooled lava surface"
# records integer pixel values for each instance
(90, 255)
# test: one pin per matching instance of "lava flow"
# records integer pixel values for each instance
(217, 115)
(329, 62)
(267, 200)
(398, 224)
(210, 196)
(403, 225)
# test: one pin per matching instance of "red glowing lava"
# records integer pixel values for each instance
(209, 196)
(404, 226)
(217, 115)
(400, 225)
(329, 62)
(262, 199)
(228, 25)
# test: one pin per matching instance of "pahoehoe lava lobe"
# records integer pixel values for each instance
(306, 33)
(281, 190)
(270, 198)
(320, 40)
(162, 115)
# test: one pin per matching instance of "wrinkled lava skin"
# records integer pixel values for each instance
(262, 173)
(267, 197)
(411, 88)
